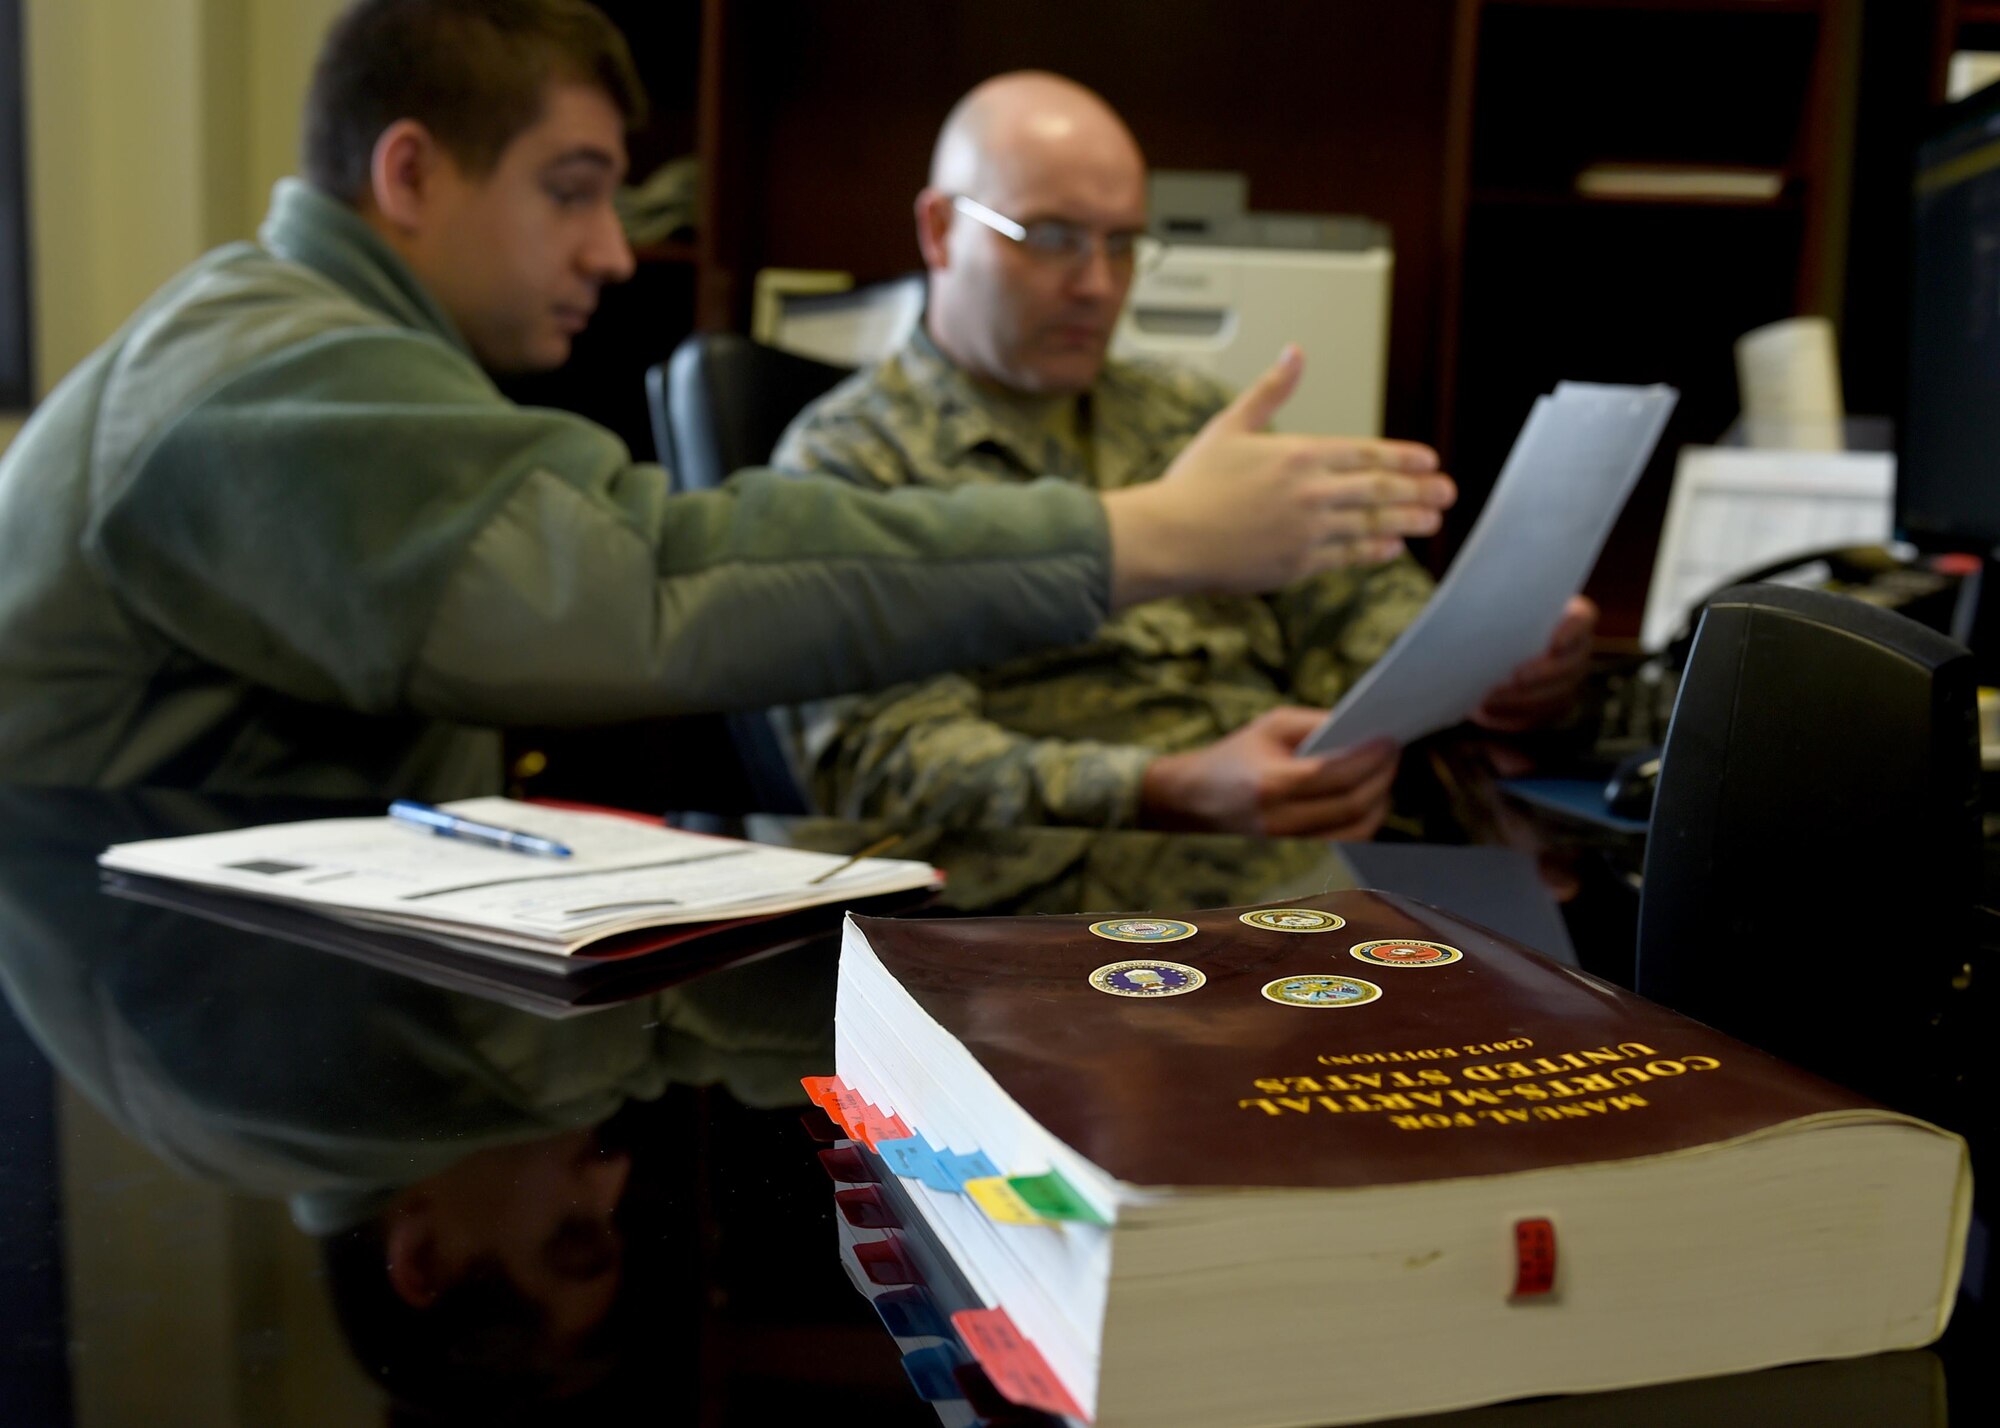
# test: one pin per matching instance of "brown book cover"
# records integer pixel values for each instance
(1350, 1039)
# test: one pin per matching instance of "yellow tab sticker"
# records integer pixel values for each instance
(1002, 1202)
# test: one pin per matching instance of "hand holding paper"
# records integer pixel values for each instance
(1543, 689)
(1255, 781)
(1568, 476)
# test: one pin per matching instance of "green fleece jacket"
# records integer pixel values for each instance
(282, 534)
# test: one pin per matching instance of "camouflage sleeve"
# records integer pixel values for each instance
(925, 752)
(840, 440)
(1339, 623)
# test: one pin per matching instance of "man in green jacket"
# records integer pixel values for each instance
(282, 533)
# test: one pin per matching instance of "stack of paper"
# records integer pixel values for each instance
(624, 875)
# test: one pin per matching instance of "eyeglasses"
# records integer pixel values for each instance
(1056, 240)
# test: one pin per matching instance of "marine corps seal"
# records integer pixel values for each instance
(1404, 952)
(1146, 979)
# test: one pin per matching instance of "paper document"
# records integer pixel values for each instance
(1573, 465)
(623, 874)
(1733, 510)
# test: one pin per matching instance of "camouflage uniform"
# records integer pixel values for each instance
(1063, 737)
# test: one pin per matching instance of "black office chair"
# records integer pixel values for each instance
(726, 402)
(719, 404)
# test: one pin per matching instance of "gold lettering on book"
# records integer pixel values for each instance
(1561, 1086)
(1379, 1058)
(1353, 1081)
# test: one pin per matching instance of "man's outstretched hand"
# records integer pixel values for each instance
(1243, 510)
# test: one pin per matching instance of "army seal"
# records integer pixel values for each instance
(1143, 929)
(1292, 919)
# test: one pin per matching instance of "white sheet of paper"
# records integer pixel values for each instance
(1574, 463)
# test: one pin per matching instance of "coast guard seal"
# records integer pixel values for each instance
(1318, 990)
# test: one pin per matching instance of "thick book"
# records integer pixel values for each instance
(628, 885)
(1354, 1158)
(896, 1263)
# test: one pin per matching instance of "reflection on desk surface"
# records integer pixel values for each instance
(236, 1168)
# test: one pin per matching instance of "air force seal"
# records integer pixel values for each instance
(1146, 979)
(1292, 919)
(1404, 952)
(1143, 929)
(1321, 991)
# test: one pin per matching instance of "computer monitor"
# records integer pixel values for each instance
(1948, 469)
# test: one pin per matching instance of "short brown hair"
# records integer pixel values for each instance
(473, 72)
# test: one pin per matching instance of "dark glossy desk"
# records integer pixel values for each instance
(194, 1120)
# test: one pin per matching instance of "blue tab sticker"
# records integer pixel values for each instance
(961, 1168)
(913, 1157)
(908, 1156)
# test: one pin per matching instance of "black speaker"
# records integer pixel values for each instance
(1814, 860)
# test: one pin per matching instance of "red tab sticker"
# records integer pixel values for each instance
(1016, 1366)
(850, 1110)
(820, 1090)
(876, 1127)
(1534, 1258)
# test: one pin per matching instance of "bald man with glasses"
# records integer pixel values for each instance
(1181, 713)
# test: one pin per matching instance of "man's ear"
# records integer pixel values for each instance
(934, 216)
(402, 172)
(415, 1270)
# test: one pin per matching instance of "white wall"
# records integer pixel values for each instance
(155, 131)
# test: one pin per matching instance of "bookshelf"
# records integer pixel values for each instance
(1961, 25)
(1717, 133)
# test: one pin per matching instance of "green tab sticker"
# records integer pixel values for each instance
(1051, 1197)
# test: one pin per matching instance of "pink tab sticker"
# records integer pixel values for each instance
(1016, 1366)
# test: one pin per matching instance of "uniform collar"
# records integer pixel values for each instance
(308, 227)
(971, 416)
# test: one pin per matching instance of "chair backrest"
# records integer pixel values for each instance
(719, 404)
(728, 400)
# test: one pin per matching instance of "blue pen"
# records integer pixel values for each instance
(450, 825)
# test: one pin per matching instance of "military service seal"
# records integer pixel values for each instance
(1143, 929)
(1147, 979)
(1316, 990)
(1404, 952)
(1293, 919)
